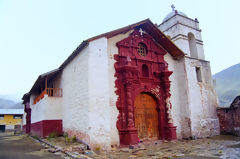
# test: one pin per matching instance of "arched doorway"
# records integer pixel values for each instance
(146, 117)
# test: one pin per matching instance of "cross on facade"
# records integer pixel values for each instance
(141, 31)
(173, 7)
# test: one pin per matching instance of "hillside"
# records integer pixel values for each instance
(9, 104)
(5, 103)
(228, 84)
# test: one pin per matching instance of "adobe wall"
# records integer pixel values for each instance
(229, 120)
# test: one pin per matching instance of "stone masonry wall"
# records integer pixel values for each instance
(229, 120)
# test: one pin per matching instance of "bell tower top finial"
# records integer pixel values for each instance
(173, 7)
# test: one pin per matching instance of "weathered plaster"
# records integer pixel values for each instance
(75, 100)
(111, 51)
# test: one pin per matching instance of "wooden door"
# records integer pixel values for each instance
(146, 116)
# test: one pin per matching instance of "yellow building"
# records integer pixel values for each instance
(11, 119)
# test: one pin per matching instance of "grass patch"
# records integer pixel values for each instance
(53, 135)
(74, 139)
(67, 139)
(65, 134)
(98, 148)
(36, 137)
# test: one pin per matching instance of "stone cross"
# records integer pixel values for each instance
(141, 31)
(173, 7)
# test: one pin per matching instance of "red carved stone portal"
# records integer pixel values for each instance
(142, 71)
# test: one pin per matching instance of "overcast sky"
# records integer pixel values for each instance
(36, 36)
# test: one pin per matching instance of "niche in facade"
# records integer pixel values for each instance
(199, 74)
(145, 71)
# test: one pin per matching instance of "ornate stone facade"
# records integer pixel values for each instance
(132, 80)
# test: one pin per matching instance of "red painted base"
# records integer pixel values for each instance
(45, 127)
(128, 137)
(170, 133)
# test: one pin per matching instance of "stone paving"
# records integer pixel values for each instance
(224, 146)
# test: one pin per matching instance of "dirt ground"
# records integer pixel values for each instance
(223, 146)
(22, 147)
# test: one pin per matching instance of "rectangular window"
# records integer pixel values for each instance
(17, 117)
(1, 117)
(199, 74)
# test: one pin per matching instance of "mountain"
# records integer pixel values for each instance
(13, 97)
(17, 106)
(9, 104)
(5, 103)
(228, 84)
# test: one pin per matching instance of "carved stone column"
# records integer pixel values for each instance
(128, 135)
(170, 133)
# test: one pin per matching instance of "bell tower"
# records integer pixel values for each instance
(195, 82)
(184, 32)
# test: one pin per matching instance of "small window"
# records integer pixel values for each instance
(199, 74)
(145, 71)
(17, 117)
(142, 49)
(1, 117)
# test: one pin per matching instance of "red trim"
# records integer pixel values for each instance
(130, 82)
(45, 127)
(27, 109)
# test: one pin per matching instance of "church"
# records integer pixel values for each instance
(140, 82)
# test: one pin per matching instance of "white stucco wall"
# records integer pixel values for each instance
(111, 51)
(179, 96)
(48, 108)
(75, 100)
(86, 100)
(24, 118)
(99, 113)
(202, 100)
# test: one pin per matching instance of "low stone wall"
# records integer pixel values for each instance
(229, 119)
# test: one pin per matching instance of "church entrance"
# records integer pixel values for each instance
(140, 67)
(146, 117)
